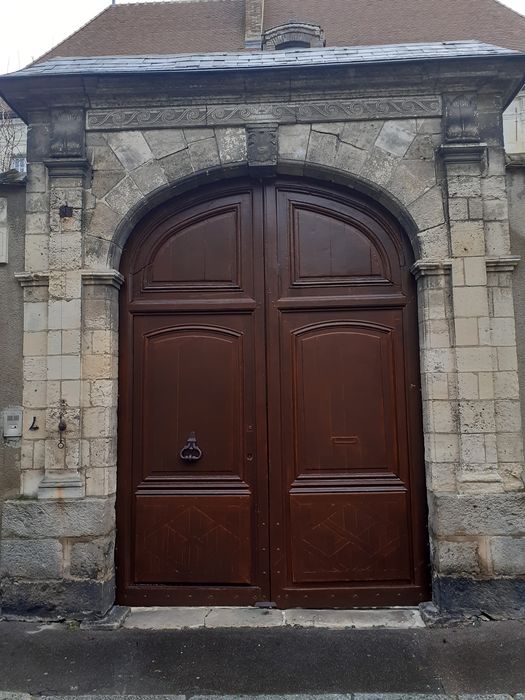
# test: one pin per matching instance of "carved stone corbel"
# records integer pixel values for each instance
(461, 119)
(68, 131)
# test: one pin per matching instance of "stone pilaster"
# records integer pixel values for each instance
(63, 460)
(491, 451)
(35, 286)
(99, 380)
(438, 378)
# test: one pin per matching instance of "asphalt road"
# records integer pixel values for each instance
(60, 660)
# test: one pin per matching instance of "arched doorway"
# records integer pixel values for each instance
(270, 439)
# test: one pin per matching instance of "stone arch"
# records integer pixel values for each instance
(143, 205)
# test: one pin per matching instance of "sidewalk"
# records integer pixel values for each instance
(62, 659)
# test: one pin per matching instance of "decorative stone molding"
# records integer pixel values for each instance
(32, 279)
(70, 167)
(461, 118)
(63, 485)
(263, 146)
(505, 263)
(463, 152)
(279, 113)
(428, 267)
(293, 35)
(67, 133)
(110, 278)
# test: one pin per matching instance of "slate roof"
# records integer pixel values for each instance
(205, 26)
(257, 60)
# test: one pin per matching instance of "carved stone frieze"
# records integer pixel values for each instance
(279, 113)
(67, 133)
(461, 119)
(263, 145)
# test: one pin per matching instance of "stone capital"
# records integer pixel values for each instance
(32, 279)
(110, 278)
(463, 152)
(431, 267)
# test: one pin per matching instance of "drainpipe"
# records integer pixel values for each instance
(253, 27)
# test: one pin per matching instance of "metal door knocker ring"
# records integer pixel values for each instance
(191, 452)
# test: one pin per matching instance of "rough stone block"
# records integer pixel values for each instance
(103, 220)
(396, 136)
(165, 142)
(27, 519)
(232, 145)
(464, 186)
(124, 196)
(178, 165)
(379, 166)
(204, 154)
(411, 179)
(104, 181)
(31, 559)
(92, 560)
(502, 597)
(130, 147)
(350, 159)
(322, 148)
(57, 599)
(361, 134)
(149, 177)
(457, 558)
(508, 556)
(486, 514)
(495, 209)
(427, 210)
(293, 141)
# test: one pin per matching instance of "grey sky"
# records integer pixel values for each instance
(31, 27)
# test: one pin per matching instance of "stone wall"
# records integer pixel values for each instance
(12, 221)
(444, 178)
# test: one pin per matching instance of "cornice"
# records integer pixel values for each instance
(32, 279)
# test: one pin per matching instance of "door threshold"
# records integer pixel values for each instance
(177, 618)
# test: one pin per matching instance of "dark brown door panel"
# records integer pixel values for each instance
(269, 410)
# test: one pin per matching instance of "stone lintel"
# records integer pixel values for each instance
(430, 267)
(505, 263)
(111, 278)
(463, 152)
(32, 279)
(68, 167)
(61, 485)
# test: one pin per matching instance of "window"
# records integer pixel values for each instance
(19, 163)
(293, 35)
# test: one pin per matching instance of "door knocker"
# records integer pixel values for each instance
(191, 452)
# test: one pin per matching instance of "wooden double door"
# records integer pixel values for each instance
(269, 419)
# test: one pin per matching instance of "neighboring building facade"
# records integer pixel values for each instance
(295, 235)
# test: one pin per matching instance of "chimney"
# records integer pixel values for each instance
(254, 24)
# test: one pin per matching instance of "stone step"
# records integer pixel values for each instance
(230, 617)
